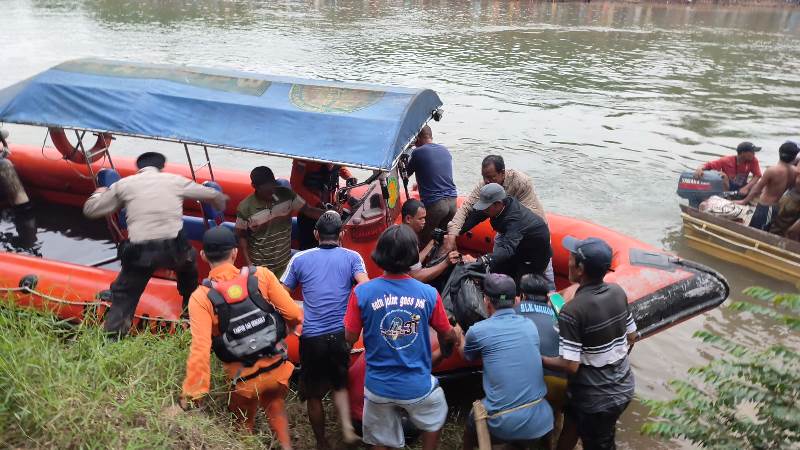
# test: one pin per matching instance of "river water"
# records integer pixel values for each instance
(603, 104)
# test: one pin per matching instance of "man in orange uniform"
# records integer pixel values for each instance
(252, 349)
(316, 183)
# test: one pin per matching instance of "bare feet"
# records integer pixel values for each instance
(350, 436)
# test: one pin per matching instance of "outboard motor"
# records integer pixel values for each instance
(697, 191)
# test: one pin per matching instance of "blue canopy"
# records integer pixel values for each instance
(352, 124)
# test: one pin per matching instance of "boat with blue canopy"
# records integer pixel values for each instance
(356, 125)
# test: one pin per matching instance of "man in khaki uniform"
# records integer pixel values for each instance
(153, 202)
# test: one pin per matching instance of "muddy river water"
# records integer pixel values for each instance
(603, 104)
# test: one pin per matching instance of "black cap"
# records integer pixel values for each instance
(592, 252)
(499, 286)
(747, 147)
(261, 175)
(789, 148)
(218, 239)
(329, 223)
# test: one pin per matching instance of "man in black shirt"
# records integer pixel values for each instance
(596, 334)
(522, 243)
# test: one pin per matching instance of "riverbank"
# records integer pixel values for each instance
(66, 386)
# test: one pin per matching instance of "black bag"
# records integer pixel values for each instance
(462, 297)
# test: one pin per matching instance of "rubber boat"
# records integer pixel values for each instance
(206, 110)
(760, 251)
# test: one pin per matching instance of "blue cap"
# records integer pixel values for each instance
(592, 252)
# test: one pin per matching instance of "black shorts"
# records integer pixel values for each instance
(596, 429)
(324, 360)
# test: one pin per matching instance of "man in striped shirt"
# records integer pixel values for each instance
(264, 221)
(597, 332)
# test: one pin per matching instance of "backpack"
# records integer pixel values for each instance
(249, 326)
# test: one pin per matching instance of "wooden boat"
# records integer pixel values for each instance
(730, 241)
(377, 123)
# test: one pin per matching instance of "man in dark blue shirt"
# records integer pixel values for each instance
(535, 306)
(434, 168)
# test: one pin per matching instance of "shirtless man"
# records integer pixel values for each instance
(771, 187)
(787, 221)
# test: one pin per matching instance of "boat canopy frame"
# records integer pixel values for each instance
(355, 125)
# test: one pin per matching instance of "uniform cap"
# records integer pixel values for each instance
(499, 286)
(219, 239)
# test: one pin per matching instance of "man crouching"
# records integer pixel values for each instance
(242, 316)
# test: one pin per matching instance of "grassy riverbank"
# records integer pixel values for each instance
(65, 386)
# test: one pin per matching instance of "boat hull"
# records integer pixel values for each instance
(662, 289)
(757, 250)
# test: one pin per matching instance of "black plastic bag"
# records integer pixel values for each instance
(462, 297)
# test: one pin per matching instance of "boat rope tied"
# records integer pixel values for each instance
(28, 286)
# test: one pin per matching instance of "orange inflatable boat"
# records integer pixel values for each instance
(361, 126)
(662, 289)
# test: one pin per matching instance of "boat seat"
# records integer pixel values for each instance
(195, 228)
(106, 177)
(209, 212)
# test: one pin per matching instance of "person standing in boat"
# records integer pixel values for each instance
(787, 222)
(597, 332)
(264, 221)
(515, 183)
(153, 202)
(736, 169)
(522, 243)
(254, 360)
(316, 183)
(771, 187)
(433, 165)
(327, 275)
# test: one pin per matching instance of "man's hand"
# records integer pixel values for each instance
(454, 257)
(100, 190)
(449, 243)
(468, 259)
(698, 174)
(741, 202)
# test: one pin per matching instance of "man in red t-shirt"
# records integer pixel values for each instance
(736, 169)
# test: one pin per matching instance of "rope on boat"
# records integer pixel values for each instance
(50, 298)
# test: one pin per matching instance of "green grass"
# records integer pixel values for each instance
(66, 386)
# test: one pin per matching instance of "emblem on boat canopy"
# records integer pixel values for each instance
(326, 99)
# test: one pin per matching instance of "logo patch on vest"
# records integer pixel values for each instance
(235, 292)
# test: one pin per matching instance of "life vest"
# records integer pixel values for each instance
(249, 326)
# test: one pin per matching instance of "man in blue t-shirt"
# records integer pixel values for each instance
(326, 274)
(433, 165)
(396, 313)
(514, 385)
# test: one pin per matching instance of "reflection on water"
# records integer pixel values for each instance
(603, 104)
